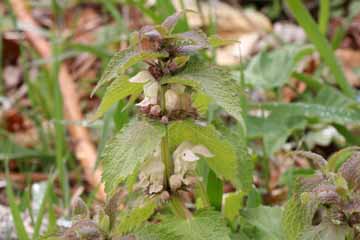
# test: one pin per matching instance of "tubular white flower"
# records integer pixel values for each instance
(172, 100)
(142, 77)
(151, 90)
(152, 173)
(186, 155)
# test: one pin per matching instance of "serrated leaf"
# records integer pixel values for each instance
(135, 218)
(237, 137)
(205, 225)
(271, 69)
(324, 113)
(224, 163)
(296, 217)
(127, 150)
(266, 219)
(214, 82)
(156, 232)
(123, 60)
(119, 89)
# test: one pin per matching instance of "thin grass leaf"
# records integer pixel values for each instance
(306, 21)
(45, 201)
(59, 128)
(15, 212)
(324, 15)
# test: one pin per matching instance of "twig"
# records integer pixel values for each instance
(85, 150)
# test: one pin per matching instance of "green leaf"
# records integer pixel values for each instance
(237, 137)
(215, 41)
(119, 89)
(224, 163)
(233, 204)
(324, 113)
(156, 232)
(305, 20)
(297, 216)
(272, 69)
(337, 159)
(123, 60)
(326, 231)
(332, 97)
(267, 220)
(15, 211)
(214, 82)
(135, 218)
(205, 225)
(128, 149)
(278, 127)
(201, 102)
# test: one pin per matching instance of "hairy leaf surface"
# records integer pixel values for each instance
(128, 149)
(121, 61)
(297, 216)
(135, 218)
(205, 225)
(215, 82)
(119, 89)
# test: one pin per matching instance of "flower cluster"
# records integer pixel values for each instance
(184, 157)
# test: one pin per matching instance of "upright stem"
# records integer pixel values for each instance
(165, 153)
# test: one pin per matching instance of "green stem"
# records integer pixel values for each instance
(165, 153)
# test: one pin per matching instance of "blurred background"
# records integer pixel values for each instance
(53, 52)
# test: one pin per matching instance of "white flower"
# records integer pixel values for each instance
(172, 100)
(151, 88)
(186, 155)
(152, 173)
(174, 96)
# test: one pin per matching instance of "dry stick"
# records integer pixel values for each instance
(85, 150)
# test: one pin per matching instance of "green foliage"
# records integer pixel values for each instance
(15, 212)
(326, 231)
(224, 163)
(304, 18)
(214, 82)
(119, 89)
(233, 204)
(267, 220)
(272, 69)
(135, 218)
(204, 225)
(127, 149)
(296, 217)
(327, 114)
(156, 232)
(121, 61)
(215, 41)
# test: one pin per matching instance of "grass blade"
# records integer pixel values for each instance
(15, 212)
(45, 201)
(307, 22)
(324, 14)
(59, 127)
